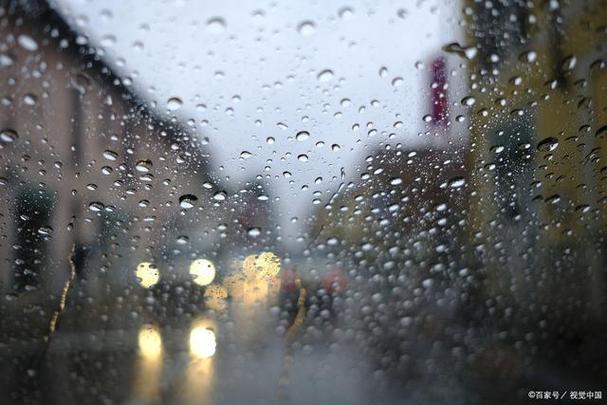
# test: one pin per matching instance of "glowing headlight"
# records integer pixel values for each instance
(203, 271)
(150, 342)
(147, 274)
(202, 342)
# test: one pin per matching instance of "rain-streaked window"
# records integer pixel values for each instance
(311, 202)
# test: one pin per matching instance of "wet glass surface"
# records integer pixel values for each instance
(302, 202)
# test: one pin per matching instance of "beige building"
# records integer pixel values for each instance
(86, 167)
(536, 153)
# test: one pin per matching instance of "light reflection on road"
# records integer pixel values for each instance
(199, 380)
(149, 364)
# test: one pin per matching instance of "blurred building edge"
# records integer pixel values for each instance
(408, 202)
(399, 198)
(537, 156)
(522, 221)
(92, 166)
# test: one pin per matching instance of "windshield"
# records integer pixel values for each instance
(302, 202)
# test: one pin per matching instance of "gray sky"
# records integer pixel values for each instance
(248, 71)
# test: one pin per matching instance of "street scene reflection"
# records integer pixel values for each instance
(357, 203)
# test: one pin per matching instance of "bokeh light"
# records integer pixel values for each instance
(203, 271)
(202, 342)
(147, 274)
(150, 342)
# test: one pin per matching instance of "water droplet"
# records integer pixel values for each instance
(27, 43)
(254, 232)
(302, 136)
(245, 154)
(583, 208)
(182, 240)
(6, 59)
(456, 182)
(303, 157)
(270, 140)
(464, 52)
(397, 81)
(80, 82)
(396, 181)
(468, 101)
(528, 56)
(568, 63)
(187, 201)
(306, 28)
(108, 41)
(548, 144)
(345, 13)
(345, 103)
(45, 230)
(325, 75)
(144, 166)
(110, 155)
(174, 104)
(30, 99)
(216, 25)
(8, 135)
(220, 196)
(497, 149)
(96, 206)
(601, 131)
(383, 72)
(553, 199)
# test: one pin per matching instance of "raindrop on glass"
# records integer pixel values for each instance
(27, 43)
(220, 196)
(306, 28)
(8, 135)
(302, 136)
(254, 232)
(548, 144)
(325, 75)
(216, 25)
(174, 104)
(110, 155)
(187, 201)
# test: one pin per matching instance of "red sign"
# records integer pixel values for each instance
(439, 92)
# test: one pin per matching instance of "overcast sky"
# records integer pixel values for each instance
(248, 71)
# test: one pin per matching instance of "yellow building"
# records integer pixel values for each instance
(537, 102)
